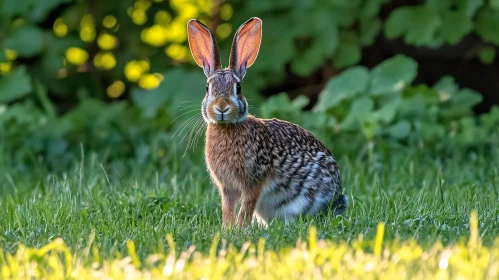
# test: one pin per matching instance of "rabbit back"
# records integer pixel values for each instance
(306, 178)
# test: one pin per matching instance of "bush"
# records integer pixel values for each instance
(114, 73)
(381, 104)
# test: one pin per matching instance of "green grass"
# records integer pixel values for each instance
(97, 208)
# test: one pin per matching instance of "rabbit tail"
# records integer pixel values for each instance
(340, 205)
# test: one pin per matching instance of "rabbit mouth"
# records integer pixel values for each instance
(221, 117)
(229, 117)
(226, 119)
(223, 111)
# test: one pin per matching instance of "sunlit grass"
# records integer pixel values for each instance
(314, 259)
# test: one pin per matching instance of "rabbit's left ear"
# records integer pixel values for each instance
(203, 47)
(245, 46)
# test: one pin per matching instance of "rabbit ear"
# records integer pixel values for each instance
(245, 46)
(203, 47)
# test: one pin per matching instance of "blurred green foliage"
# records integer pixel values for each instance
(117, 76)
(381, 103)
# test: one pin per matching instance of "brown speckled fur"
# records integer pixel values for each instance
(239, 172)
(276, 169)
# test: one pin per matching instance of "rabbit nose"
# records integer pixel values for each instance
(220, 111)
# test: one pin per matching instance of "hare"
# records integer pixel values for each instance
(276, 169)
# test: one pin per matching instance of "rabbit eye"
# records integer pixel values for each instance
(238, 88)
(207, 87)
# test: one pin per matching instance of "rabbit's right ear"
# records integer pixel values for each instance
(245, 46)
(203, 47)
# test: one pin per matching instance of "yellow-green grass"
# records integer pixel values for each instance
(314, 259)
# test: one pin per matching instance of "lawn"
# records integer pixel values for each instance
(409, 216)
(101, 163)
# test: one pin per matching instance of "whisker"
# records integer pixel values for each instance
(200, 133)
(182, 115)
(190, 124)
(190, 106)
(183, 125)
(192, 137)
(191, 132)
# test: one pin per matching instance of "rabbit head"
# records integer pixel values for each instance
(224, 102)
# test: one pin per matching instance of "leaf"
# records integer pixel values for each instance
(427, 94)
(3, 58)
(280, 106)
(300, 102)
(372, 8)
(177, 87)
(369, 127)
(431, 131)
(348, 54)
(470, 133)
(467, 97)
(400, 130)
(448, 91)
(388, 111)
(52, 63)
(25, 114)
(455, 25)
(329, 40)
(487, 25)
(315, 120)
(57, 45)
(282, 43)
(446, 88)
(11, 8)
(491, 119)
(369, 30)
(48, 106)
(393, 75)
(309, 60)
(417, 25)
(470, 6)
(462, 104)
(346, 85)
(487, 55)
(360, 108)
(84, 114)
(276, 103)
(42, 8)
(344, 13)
(323, 19)
(494, 4)
(27, 41)
(415, 107)
(439, 5)
(15, 85)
